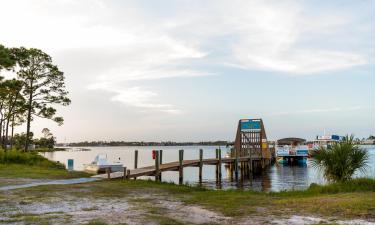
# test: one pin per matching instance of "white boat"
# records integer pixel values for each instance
(100, 165)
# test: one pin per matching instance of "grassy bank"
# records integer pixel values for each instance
(16, 164)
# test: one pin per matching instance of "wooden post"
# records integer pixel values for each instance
(236, 165)
(160, 161)
(180, 168)
(108, 170)
(200, 164)
(135, 161)
(125, 173)
(250, 167)
(157, 162)
(219, 166)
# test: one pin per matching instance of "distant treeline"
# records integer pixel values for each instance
(141, 143)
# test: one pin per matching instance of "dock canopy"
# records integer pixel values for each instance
(290, 141)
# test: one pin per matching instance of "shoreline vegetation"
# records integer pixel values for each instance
(145, 201)
(16, 164)
(141, 143)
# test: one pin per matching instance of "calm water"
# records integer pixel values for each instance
(275, 178)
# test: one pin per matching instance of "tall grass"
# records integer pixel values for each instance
(27, 158)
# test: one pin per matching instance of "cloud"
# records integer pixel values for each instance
(277, 37)
(138, 97)
(184, 40)
(321, 110)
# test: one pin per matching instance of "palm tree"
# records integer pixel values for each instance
(340, 162)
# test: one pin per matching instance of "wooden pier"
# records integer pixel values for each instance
(251, 153)
(159, 167)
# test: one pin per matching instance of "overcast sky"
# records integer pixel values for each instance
(189, 70)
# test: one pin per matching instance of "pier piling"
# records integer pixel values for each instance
(200, 164)
(180, 167)
(219, 164)
(125, 173)
(161, 161)
(236, 165)
(108, 170)
(135, 161)
(157, 165)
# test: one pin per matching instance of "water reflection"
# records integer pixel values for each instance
(275, 178)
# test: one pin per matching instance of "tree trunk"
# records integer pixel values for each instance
(11, 139)
(29, 109)
(6, 133)
(1, 127)
(3, 140)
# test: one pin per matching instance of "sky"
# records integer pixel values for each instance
(189, 70)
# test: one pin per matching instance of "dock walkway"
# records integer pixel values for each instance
(173, 166)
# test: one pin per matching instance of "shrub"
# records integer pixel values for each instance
(27, 158)
(341, 161)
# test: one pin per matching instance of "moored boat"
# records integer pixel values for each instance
(291, 151)
(100, 165)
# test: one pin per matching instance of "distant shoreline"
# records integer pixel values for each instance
(136, 144)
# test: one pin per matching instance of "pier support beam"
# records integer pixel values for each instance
(161, 161)
(219, 165)
(125, 173)
(135, 161)
(236, 165)
(108, 170)
(181, 168)
(157, 168)
(200, 164)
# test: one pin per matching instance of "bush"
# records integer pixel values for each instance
(341, 161)
(27, 158)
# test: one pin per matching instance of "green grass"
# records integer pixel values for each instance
(351, 199)
(17, 164)
(27, 158)
(37, 172)
(354, 199)
(96, 222)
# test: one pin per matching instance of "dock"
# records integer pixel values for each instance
(158, 168)
(251, 153)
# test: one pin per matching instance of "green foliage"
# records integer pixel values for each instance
(371, 137)
(6, 60)
(27, 158)
(43, 82)
(341, 161)
(43, 85)
(20, 139)
(45, 142)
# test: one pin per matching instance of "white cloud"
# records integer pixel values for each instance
(138, 97)
(270, 37)
(321, 110)
(156, 44)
